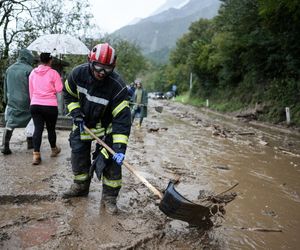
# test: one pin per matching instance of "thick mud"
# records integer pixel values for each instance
(209, 154)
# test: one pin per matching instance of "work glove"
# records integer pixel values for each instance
(79, 122)
(118, 158)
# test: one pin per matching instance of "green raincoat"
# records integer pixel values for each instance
(16, 91)
(144, 103)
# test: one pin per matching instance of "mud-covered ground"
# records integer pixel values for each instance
(208, 152)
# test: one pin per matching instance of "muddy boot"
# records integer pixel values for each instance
(110, 204)
(36, 158)
(55, 151)
(77, 189)
(5, 142)
(29, 143)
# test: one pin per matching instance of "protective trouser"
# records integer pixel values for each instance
(81, 164)
(136, 111)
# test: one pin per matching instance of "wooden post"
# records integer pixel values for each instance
(207, 103)
(191, 83)
(288, 116)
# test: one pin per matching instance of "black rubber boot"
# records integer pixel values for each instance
(5, 142)
(29, 143)
(110, 204)
(77, 189)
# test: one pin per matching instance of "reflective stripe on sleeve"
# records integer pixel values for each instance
(119, 138)
(73, 105)
(112, 183)
(119, 108)
(69, 89)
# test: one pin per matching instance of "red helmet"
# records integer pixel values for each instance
(104, 54)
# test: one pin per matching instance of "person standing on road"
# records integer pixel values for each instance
(96, 96)
(16, 97)
(140, 100)
(44, 84)
(174, 90)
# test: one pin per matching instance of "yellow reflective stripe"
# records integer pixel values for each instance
(97, 132)
(119, 138)
(73, 105)
(69, 89)
(112, 183)
(119, 108)
(81, 177)
(109, 129)
(104, 152)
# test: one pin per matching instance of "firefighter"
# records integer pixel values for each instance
(96, 96)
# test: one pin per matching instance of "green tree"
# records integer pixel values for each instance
(21, 21)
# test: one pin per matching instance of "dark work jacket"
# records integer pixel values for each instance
(97, 101)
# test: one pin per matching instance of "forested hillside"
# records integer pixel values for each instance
(247, 55)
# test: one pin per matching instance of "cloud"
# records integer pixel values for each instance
(114, 14)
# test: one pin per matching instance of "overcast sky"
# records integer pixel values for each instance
(111, 15)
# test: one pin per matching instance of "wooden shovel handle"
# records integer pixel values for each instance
(126, 164)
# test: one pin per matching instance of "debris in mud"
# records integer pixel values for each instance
(250, 114)
(262, 142)
(216, 202)
(286, 151)
(20, 221)
(258, 229)
(26, 198)
(269, 213)
(4, 236)
(217, 131)
(150, 130)
(222, 167)
(246, 133)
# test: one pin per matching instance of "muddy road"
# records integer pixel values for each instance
(210, 154)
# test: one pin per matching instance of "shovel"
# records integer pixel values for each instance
(158, 109)
(172, 203)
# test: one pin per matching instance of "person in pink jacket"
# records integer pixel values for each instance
(44, 84)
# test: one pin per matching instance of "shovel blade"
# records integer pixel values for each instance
(175, 206)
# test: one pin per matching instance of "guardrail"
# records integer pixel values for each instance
(63, 122)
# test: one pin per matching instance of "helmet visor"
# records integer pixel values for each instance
(101, 68)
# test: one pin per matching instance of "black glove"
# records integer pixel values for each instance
(79, 122)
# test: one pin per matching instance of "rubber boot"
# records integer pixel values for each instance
(55, 151)
(29, 143)
(110, 204)
(36, 158)
(77, 189)
(5, 141)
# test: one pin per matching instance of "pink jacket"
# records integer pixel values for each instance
(44, 84)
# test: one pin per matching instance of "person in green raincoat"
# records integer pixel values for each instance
(16, 97)
(140, 100)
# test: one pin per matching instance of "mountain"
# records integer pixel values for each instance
(159, 32)
(177, 4)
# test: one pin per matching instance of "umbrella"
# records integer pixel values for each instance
(59, 44)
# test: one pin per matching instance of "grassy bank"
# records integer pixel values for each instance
(272, 112)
